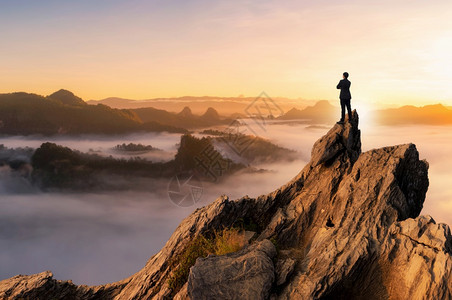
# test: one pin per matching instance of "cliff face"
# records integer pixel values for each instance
(346, 227)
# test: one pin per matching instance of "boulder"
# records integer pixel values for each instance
(245, 274)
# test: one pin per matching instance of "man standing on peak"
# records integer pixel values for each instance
(345, 96)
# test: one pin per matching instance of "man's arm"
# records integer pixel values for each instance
(339, 85)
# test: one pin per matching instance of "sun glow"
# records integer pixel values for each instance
(364, 110)
(395, 53)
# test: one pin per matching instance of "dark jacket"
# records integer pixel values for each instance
(344, 86)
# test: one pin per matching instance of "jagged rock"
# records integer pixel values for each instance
(424, 230)
(416, 260)
(348, 219)
(245, 274)
(284, 268)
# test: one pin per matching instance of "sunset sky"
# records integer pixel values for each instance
(397, 52)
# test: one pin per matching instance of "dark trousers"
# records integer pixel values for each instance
(346, 103)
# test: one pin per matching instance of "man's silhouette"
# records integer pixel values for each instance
(345, 96)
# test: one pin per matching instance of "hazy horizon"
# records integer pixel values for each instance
(394, 52)
(284, 101)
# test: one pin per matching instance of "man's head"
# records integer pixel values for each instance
(345, 75)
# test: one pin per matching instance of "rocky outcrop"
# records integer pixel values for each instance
(416, 260)
(349, 223)
(339, 140)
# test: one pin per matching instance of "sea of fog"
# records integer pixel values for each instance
(96, 238)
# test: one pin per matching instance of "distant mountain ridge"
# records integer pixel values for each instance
(320, 112)
(64, 113)
(325, 113)
(184, 119)
(224, 105)
(436, 114)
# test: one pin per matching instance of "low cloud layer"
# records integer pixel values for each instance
(103, 145)
(95, 238)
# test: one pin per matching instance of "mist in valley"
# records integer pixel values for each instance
(96, 238)
(103, 145)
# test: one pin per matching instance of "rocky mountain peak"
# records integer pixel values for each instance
(342, 139)
(346, 227)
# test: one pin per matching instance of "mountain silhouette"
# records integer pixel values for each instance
(436, 114)
(211, 115)
(184, 119)
(223, 105)
(186, 113)
(64, 113)
(68, 98)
